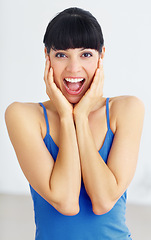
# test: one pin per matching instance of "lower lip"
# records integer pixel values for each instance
(74, 92)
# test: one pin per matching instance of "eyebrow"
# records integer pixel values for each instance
(88, 49)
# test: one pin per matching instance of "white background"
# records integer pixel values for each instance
(127, 32)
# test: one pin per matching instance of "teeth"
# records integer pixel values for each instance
(74, 80)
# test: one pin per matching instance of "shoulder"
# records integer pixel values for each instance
(22, 110)
(127, 103)
(18, 115)
(125, 109)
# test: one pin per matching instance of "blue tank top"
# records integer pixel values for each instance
(52, 225)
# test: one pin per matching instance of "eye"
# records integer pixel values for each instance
(60, 55)
(87, 55)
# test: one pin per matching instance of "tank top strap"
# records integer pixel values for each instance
(107, 113)
(46, 117)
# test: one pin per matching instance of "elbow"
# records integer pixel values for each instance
(100, 208)
(67, 205)
(72, 211)
(68, 209)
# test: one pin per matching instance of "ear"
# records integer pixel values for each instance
(45, 51)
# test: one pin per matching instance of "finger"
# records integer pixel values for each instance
(101, 68)
(46, 70)
(96, 79)
(50, 76)
(99, 77)
(100, 63)
(47, 67)
(50, 80)
(101, 81)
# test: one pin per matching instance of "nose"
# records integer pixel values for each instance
(73, 65)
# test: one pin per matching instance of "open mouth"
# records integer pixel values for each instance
(74, 85)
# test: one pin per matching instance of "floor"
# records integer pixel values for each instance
(17, 223)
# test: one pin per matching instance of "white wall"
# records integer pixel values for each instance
(126, 26)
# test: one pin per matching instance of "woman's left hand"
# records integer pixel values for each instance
(92, 96)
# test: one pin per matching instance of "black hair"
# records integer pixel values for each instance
(73, 28)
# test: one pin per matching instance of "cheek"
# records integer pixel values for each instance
(56, 78)
(92, 66)
(92, 70)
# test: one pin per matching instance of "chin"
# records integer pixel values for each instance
(74, 100)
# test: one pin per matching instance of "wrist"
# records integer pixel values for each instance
(80, 118)
(79, 114)
(66, 114)
(67, 118)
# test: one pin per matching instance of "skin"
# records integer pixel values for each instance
(78, 127)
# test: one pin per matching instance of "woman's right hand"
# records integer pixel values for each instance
(64, 108)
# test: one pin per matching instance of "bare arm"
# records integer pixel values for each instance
(58, 182)
(66, 175)
(106, 183)
(67, 163)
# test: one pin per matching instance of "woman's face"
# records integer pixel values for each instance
(74, 70)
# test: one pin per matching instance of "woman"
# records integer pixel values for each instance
(78, 150)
